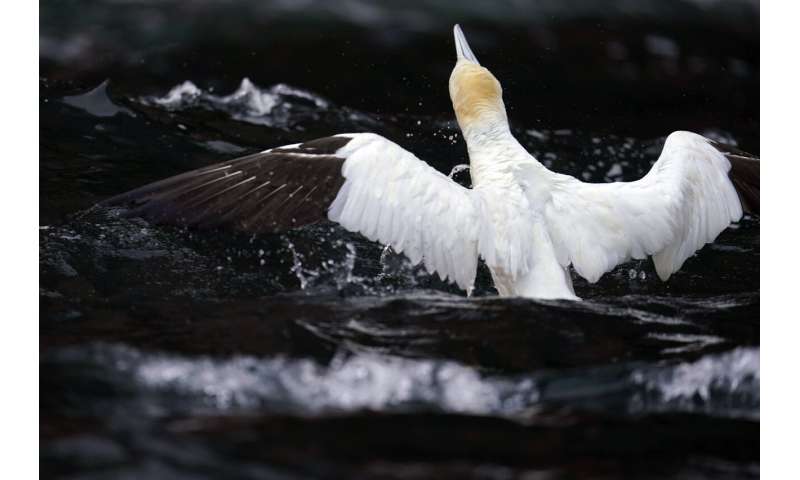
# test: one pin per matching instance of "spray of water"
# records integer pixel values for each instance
(341, 273)
(458, 169)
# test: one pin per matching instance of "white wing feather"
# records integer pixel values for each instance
(392, 197)
(683, 202)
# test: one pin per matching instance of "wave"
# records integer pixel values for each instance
(274, 106)
(723, 384)
(302, 385)
(728, 382)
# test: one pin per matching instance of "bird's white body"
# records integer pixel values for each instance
(525, 263)
(530, 224)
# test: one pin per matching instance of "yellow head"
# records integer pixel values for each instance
(476, 94)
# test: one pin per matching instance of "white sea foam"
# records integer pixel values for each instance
(363, 381)
(725, 384)
(179, 96)
(271, 106)
(730, 380)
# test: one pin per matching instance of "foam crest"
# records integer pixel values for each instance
(274, 106)
(727, 383)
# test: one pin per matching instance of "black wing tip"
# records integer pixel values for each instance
(267, 192)
(731, 151)
(745, 174)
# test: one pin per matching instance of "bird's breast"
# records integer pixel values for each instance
(508, 226)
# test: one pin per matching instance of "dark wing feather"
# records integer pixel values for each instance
(265, 192)
(745, 176)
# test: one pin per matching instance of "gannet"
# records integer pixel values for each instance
(527, 223)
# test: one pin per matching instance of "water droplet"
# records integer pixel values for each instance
(458, 169)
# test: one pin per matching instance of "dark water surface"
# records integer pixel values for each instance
(177, 354)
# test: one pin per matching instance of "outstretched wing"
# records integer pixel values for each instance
(693, 192)
(264, 192)
(362, 181)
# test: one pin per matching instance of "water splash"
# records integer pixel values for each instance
(275, 106)
(302, 274)
(330, 271)
(398, 270)
(458, 169)
(180, 96)
(350, 264)
(348, 383)
(724, 383)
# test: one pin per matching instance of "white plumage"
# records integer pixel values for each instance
(391, 196)
(683, 202)
(539, 218)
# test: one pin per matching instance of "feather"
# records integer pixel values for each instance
(689, 196)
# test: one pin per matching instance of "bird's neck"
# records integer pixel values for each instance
(494, 153)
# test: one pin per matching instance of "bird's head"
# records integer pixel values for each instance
(476, 94)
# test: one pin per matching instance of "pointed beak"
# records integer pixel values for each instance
(462, 47)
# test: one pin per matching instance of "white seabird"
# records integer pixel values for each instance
(529, 224)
